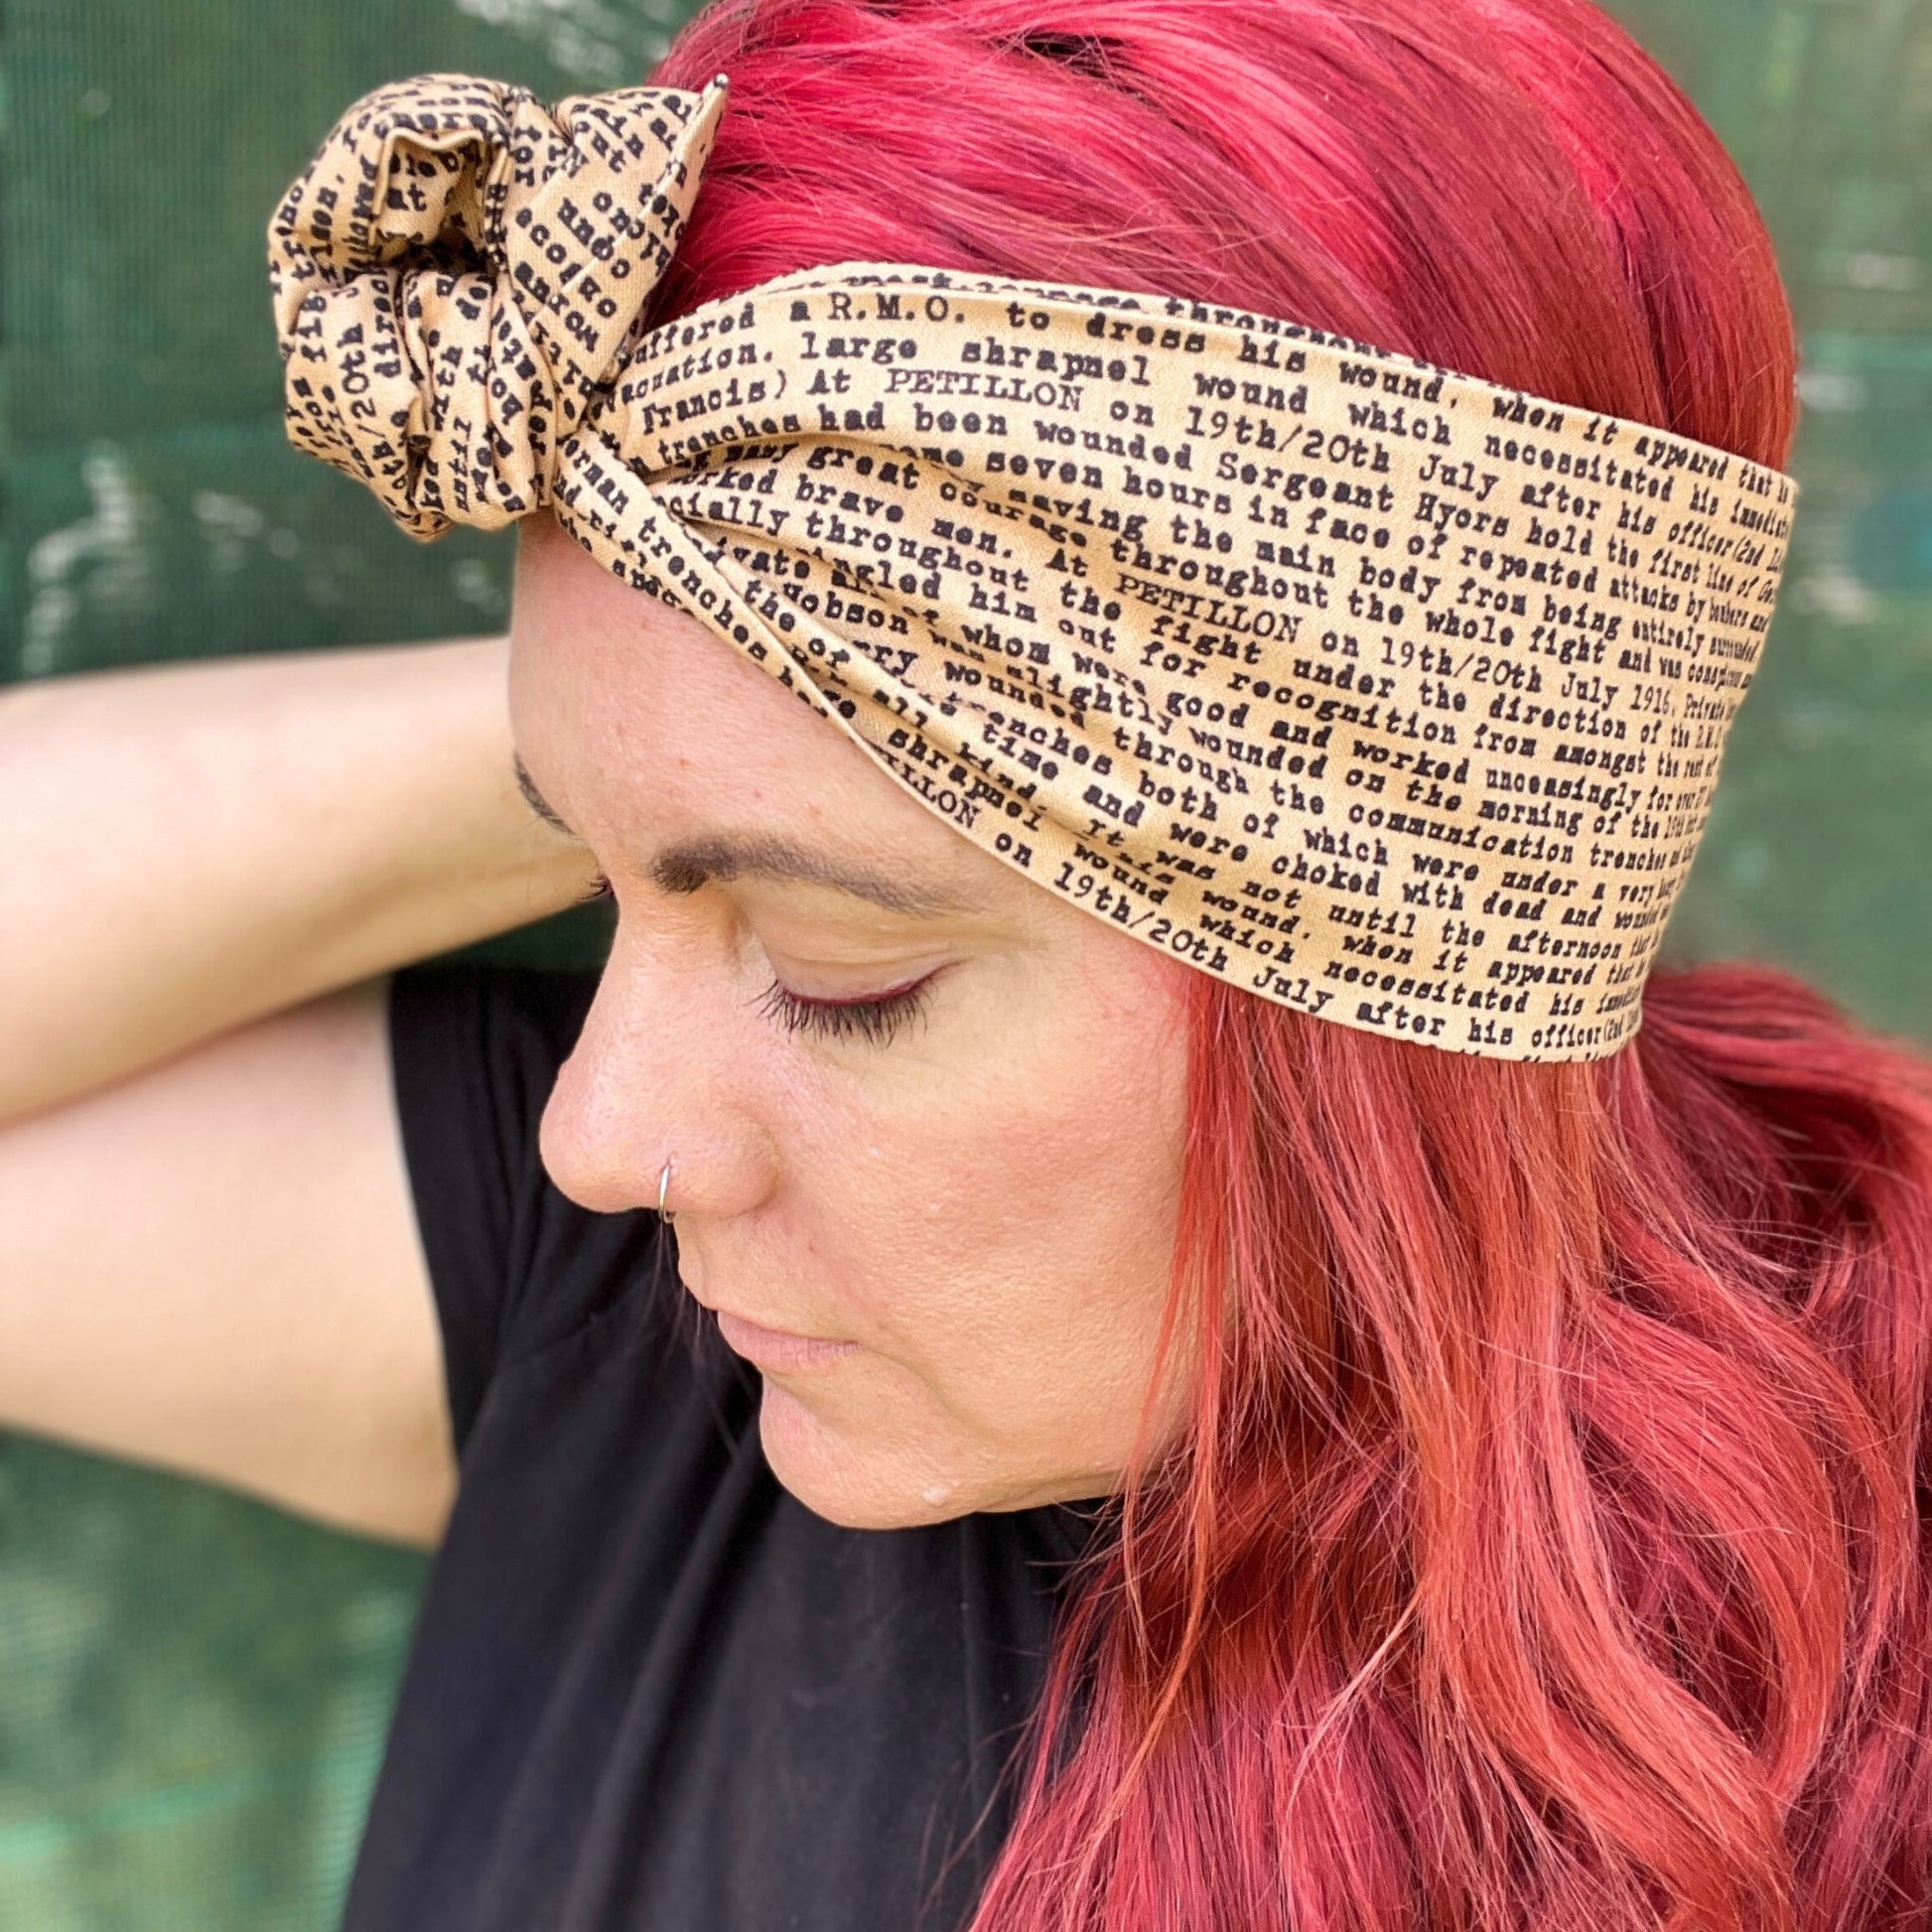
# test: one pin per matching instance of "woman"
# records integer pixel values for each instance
(1164, 1459)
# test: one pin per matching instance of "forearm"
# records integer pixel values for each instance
(188, 847)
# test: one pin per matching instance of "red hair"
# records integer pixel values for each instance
(1549, 1545)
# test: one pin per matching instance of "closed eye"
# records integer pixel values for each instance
(876, 1020)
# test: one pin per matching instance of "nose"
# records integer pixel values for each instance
(660, 1072)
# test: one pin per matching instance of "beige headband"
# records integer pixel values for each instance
(1372, 688)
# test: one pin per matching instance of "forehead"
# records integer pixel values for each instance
(627, 710)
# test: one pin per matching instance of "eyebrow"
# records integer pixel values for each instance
(686, 867)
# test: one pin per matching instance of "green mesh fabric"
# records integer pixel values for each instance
(194, 1687)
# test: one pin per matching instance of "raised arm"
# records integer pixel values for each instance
(208, 1256)
(188, 847)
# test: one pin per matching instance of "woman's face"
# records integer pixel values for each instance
(977, 1197)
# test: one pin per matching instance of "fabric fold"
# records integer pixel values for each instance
(455, 275)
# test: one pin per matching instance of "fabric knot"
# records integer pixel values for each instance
(457, 274)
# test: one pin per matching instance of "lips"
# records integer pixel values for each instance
(781, 1350)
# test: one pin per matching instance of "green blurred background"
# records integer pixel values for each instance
(194, 1688)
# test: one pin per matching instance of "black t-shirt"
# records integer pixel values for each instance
(650, 1691)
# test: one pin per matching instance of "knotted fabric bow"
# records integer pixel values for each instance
(1367, 686)
(453, 276)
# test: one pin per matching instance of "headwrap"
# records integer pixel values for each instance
(1377, 690)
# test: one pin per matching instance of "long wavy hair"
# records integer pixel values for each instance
(1549, 1545)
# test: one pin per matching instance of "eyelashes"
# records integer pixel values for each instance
(875, 1020)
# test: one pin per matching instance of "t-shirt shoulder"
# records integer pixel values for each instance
(515, 1266)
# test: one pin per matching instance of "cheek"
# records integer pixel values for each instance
(1003, 1232)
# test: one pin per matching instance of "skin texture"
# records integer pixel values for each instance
(983, 1203)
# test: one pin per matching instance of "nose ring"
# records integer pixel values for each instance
(664, 1182)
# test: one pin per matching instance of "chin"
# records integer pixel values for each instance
(834, 1478)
